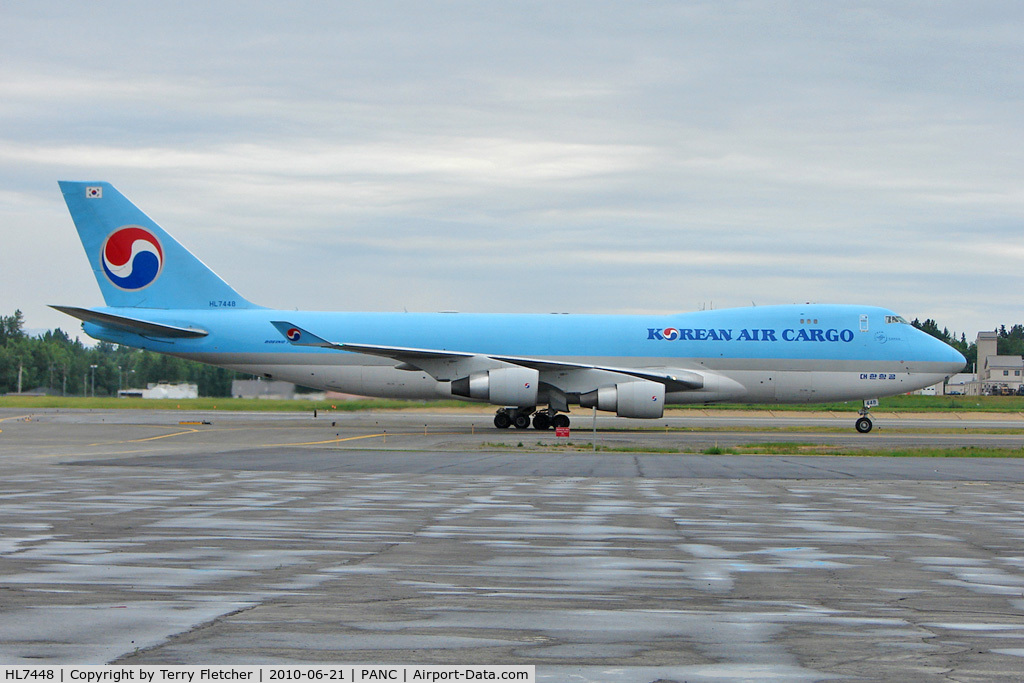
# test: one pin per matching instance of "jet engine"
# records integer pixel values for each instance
(628, 399)
(502, 386)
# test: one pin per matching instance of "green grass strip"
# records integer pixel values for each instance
(210, 404)
(900, 404)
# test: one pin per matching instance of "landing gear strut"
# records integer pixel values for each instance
(864, 423)
(520, 418)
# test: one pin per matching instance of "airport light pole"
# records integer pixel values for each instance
(93, 369)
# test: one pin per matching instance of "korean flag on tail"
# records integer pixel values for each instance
(94, 193)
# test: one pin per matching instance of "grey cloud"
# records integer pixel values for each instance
(604, 156)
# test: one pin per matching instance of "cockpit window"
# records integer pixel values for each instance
(890, 319)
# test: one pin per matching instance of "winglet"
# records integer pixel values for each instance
(300, 337)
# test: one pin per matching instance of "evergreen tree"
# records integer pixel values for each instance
(64, 366)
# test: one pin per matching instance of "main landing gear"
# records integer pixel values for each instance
(520, 418)
(864, 423)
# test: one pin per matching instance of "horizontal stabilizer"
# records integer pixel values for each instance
(134, 325)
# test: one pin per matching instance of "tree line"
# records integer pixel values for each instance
(55, 362)
(66, 367)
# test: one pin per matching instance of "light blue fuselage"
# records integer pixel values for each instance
(794, 353)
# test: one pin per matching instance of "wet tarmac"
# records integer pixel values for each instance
(128, 537)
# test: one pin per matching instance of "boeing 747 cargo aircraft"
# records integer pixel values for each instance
(162, 298)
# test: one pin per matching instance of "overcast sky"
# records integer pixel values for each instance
(587, 156)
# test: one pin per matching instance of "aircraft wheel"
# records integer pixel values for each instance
(521, 421)
(502, 420)
(541, 421)
(560, 421)
(864, 425)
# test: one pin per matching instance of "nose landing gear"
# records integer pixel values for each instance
(864, 423)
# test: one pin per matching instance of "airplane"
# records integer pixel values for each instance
(161, 297)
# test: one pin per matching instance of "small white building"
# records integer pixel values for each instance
(270, 389)
(960, 384)
(162, 390)
(1002, 375)
(262, 388)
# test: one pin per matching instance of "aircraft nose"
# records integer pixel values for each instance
(939, 356)
(951, 360)
(958, 362)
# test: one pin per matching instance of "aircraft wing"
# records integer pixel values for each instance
(674, 379)
(444, 365)
(301, 337)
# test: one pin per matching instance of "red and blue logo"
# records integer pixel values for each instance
(294, 334)
(132, 258)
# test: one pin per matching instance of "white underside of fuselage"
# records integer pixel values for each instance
(792, 381)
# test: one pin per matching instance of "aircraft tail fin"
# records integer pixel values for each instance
(136, 263)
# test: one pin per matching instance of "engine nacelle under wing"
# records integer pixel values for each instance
(501, 386)
(628, 399)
